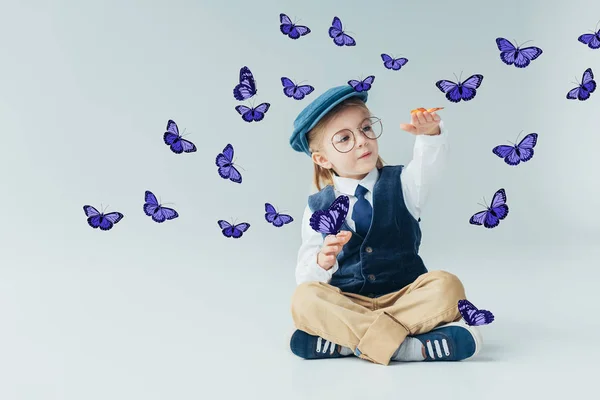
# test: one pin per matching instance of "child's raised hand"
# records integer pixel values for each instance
(423, 122)
(332, 245)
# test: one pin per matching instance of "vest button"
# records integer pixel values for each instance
(371, 277)
(369, 250)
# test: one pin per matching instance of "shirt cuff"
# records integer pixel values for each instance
(434, 140)
(324, 275)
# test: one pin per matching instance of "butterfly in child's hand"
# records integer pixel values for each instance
(338, 35)
(253, 114)
(100, 220)
(455, 92)
(472, 315)
(429, 110)
(290, 89)
(247, 87)
(362, 86)
(226, 166)
(393, 63)
(491, 217)
(275, 218)
(330, 221)
(523, 151)
(293, 31)
(591, 39)
(173, 138)
(587, 86)
(155, 210)
(233, 231)
(520, 57)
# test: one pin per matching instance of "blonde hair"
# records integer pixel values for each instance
(324, 176)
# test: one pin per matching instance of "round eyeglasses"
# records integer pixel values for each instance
(344, 140)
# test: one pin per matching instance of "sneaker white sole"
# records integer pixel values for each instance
(475, 332)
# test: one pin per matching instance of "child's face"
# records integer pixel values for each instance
(361, 159)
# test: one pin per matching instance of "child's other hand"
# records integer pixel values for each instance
(331, 248)
(423, 123)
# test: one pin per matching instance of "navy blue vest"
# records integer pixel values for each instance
(386, 259)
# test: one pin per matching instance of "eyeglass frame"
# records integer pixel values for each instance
(361, 131)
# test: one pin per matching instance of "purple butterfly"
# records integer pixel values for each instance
(226, 166)
(456, 92)
(290, 89)
(520, 57)
(155, 210)
(330, 221)
(491, 217)
(393, 63)
(293, 31)
(472, 315)
(253, 114)
(587, 86)
(247, 87)
(362, 86)
(275, 218)
(100, 220)
(337, 34)
(591, 39)
(173, 139)
(513, 155)
(232, 231)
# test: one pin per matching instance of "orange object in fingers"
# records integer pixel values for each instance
(423, 109)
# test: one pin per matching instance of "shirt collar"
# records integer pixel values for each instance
(348, 186)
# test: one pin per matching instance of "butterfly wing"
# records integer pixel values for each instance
(591, 39)
(507, 51)
(289, 88)
(481, 317)
(172, 133)
(258, 113)
(478, 218)
(399, 63)
(336, 29)
(94, 217)
(90, 211)
(282, 219)
(151, 203)
(526, 146)
(247, 86)
(161, 214)
(187, 146)
(468, 87)
(239, 229)
(588, 82)
(526, 55)
(302, 91)
(508, 153)
(497, 211)
(330, 221)
(451, 89)
(466, 309)
(107, 221)
(574, 94)
(226, 228)
(286, 24)
(270, 212)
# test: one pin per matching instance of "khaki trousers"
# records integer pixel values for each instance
(377, 326)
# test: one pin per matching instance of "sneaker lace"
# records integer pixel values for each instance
(327, 345)
(438, 349)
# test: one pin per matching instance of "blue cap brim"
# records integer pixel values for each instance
(312, 114)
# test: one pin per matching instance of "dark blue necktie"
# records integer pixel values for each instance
(362, 212)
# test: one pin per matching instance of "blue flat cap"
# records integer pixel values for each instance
(308, 118)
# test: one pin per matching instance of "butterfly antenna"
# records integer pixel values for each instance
(518, 136)
(482, 205)
(526, 42)
(456, 77)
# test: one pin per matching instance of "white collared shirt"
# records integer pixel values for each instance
(417, 178)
